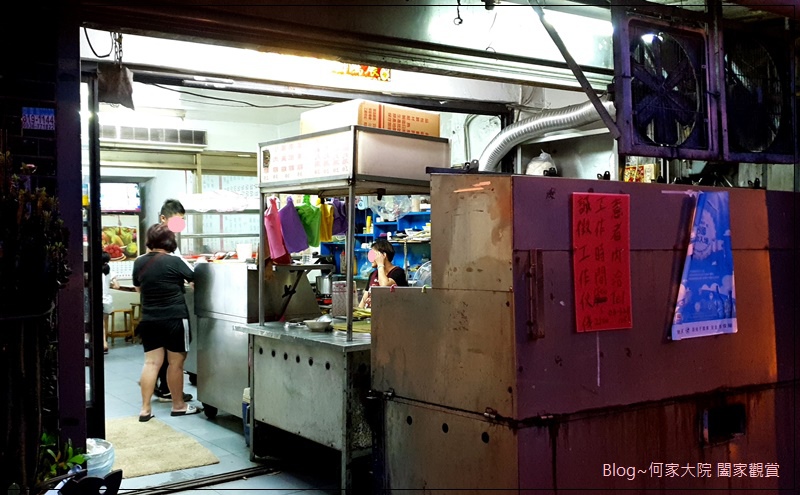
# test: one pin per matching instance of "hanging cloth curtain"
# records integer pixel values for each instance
(310, 216)
(272, 223)
(326, 223)
(294, 235)
(339, 217)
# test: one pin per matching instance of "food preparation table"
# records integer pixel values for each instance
(312, 384)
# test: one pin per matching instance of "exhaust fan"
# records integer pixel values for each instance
(676, 98)
(662, 81)
(759, 103)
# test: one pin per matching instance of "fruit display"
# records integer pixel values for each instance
(120, 242)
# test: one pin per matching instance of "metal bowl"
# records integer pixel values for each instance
(318, 326)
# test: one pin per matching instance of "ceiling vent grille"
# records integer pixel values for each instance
(153, 137)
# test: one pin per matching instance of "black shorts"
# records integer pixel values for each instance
(172, 335)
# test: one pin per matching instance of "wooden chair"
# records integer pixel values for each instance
(127, 330)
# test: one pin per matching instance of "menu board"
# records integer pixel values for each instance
(308, 158)
(601, 261)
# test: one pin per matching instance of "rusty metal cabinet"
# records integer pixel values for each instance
(487, 385)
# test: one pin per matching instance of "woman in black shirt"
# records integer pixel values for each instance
(385, 274)
(165, 318)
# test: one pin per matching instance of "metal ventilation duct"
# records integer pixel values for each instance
(557, 119)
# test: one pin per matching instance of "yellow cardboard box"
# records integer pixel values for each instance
(370, 114)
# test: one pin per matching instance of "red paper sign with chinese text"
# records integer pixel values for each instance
(601, 244)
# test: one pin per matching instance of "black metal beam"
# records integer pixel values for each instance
(150, 75)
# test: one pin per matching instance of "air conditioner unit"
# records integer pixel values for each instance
(153, 138)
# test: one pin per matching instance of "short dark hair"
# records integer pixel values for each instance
(385, 247)
(160, 237)
(172, 207)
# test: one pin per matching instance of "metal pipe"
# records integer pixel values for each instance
(556, 119)
(351, 254)
(261, 250)
(467, 149)
(349, 246)
(576, 70)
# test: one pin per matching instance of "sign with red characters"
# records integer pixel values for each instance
(370, 72)
(601, 261)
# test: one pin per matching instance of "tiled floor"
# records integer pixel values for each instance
(222, 436)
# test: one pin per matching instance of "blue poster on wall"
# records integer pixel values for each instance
(707, 294)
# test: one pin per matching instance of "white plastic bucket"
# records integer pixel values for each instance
(99, 457)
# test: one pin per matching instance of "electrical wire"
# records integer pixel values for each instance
(489, 31)
(110, 50)
(244, 103)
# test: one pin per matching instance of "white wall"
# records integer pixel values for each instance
(775, 177)
(780, 177)
(157, 186)
(232, 136)
(547, 98)
(480, 131)
(288, 130)
(165, 184)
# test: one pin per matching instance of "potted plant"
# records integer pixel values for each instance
(55, 464)
(33, 266)
(33, 253)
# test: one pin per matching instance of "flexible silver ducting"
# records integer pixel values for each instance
(556, 119)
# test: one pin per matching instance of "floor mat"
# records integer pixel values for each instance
(153, 447)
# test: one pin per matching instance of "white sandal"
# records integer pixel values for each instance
(190, 409)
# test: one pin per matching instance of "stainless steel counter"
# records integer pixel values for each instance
(312, 384)
(301, 334)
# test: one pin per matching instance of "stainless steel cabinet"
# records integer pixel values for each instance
(225, 293)
(314, 385)
(221, 366)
